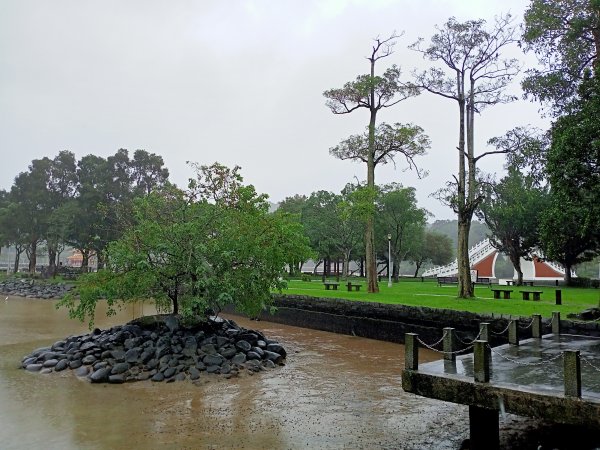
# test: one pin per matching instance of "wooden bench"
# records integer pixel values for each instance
(536, 295)
(506, 292)
(483, 280)
(332, 285)
(525, 283)
(351, 286)
(447, 280)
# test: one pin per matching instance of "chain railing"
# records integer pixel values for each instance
(524, 363)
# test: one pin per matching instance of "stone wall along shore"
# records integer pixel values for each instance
(34, 288)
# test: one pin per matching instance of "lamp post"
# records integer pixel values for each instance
(389, 260)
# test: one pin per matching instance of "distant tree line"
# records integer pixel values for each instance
(335, 227)
(84, 204)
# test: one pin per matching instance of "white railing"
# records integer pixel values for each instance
(478, 252)
(558, 267)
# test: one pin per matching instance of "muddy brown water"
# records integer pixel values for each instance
(335, 391)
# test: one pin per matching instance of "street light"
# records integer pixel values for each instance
(389, 260)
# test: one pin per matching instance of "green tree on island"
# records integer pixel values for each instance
(194, 251)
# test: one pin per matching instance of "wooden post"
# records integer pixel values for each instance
(484, 430)
(556, 322)
(411, 351)
(558, 295)
(484, 331)
(572, 373)
(536, 326)
(481, 361)
(513, 332)
(449, 344)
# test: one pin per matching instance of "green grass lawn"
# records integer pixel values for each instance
(428, 293)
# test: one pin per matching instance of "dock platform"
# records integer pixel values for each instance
(526, 379)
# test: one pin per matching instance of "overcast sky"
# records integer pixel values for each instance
(239, 82)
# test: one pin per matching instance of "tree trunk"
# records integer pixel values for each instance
(346, 264)
(17, 260)
(372, 286)
(100, 260)
(85, 259)
(417, 270)
(516, 262)
(175, 301)
(315, 270)
(32, 255)
(465, 288)
(567, 274)
(396, 267)
(51, 260)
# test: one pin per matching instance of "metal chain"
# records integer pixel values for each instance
(503, 331)
(435, 343)
(443, 352)
(526, 326)
(589, 363)
(467, 342)
(521, 363)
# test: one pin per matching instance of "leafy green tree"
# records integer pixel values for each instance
(319, 220)
(4, 233)
(512, 211)
(348, 228)
(565, 37)
(195, 251)
(570, 229)
(399, 216)
(147, 172)
(32, 205)
(373, 93)
(434, 248)
(475, 76)
(566, 234)
(526, 150)
(92, 173)
(61, 185)
(293, 207)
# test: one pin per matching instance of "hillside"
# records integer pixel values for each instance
(479, 231)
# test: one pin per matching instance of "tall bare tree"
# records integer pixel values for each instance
(475, 76)
(373, 93)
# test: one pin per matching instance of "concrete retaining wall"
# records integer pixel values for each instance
(391, 322)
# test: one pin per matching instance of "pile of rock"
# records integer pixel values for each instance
(34, 289)
(587, 314)
(160, 349)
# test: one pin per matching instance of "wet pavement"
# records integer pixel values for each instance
(535, 364)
